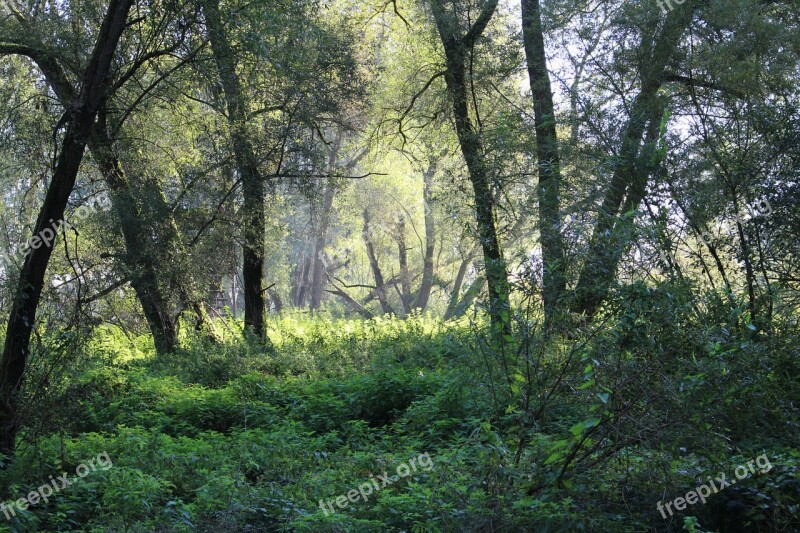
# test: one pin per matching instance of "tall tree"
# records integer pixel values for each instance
(248, 167)
(458, 48)
(79, 121)
(317, 271)
(549, 163)
(636, 162)
(380, 281)
(426, 285)
(323, 218)
(154, 246)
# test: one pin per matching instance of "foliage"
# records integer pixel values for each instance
(260, 449)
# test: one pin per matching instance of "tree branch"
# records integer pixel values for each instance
(694, 82)
(105, 291)
(478, 28)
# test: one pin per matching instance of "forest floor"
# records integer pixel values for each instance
(392, 425)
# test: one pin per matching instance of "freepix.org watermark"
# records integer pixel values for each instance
(364, 490)
(666, 5)
(44, 492)
(715, 485)
(16, 254)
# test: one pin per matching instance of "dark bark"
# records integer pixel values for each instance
(549, 163)
(141, 268)
(247, 164)
(457, 49)
(79, 122)
(145, 258)
(455, 293)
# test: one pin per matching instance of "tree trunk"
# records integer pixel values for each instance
(380, 284)
(610, 239)
(247, 164)
(234, 288)
(303, 282)
(173, 257)
(468, 298)
(140, 261)
(142, 267)
(455, 294)
(554, 279)
(318, 271)
(155, 247)
(748, 265)
(80, 119)
(275, 301)
(426, 285)
(405, 276)
(629, 181)
(456, 49)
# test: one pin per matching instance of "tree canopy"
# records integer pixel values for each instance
(578, 218)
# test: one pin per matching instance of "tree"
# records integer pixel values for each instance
(153, 243)
(458, 46)
(426, 285)
(549, 163)
(636, 162)
(79, 121)
(323, 216)
(248, 167)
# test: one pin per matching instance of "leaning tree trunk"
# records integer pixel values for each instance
(172, 255)
(455, 293)
(554, 279)
(140, 262)
(629, 180)
(465, 302)
(155, 249)
(80, 119)
(247, 163)
(142, 267)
